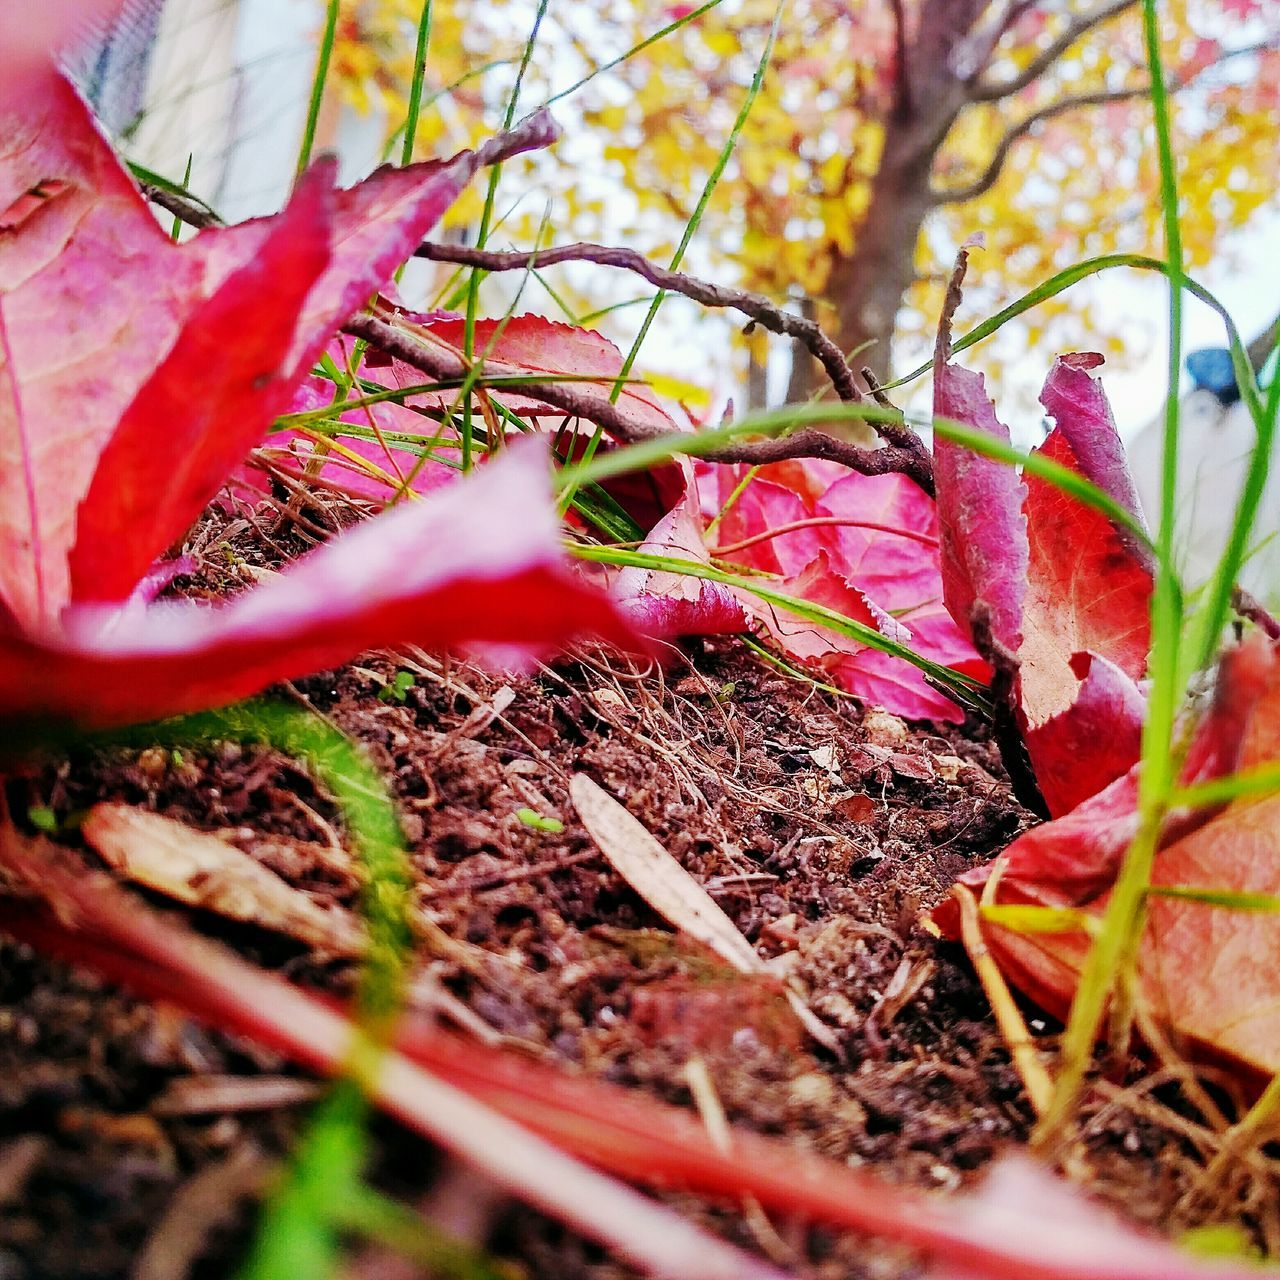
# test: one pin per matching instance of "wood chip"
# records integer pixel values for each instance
(197, 868)
(221, 1094)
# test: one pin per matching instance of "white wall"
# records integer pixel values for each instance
(1214, 452)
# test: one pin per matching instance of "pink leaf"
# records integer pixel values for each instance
(662, 604)
(35, 35)
(1079, 407)
(878, 565)
(477, 565)
(984, 533)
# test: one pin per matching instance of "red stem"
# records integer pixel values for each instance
(814, 522)
(615, 1129)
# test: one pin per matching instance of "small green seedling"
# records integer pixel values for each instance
(397, 688)
(43, 818)
(532, 818)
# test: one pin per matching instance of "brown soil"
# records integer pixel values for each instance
(822, 832)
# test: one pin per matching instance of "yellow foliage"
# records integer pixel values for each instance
(792, 203)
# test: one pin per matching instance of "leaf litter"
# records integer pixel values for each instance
(553, 952)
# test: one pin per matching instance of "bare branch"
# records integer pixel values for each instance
(759, 308)
(985, 41)
(442, 363)
(1074, 102)
(191, 212)
(902, 77)
(915, 463)
(991, 91)
(911, 459)
(988, 178)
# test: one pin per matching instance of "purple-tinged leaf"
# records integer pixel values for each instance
(1079, 407)
(983, 531)
(664, 604)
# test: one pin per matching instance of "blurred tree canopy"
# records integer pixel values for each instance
(887, 132)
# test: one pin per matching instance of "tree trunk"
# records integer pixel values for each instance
(865, 289)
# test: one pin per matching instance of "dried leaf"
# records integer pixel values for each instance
(673, 893)
(657, 877)
(203, 871)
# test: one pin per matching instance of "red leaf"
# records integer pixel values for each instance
(984, 533)
(1208, 972)
(1092, 742)
(1080, 409)
(1054, 579)
(477, 565)
(1086, 592)
(113, 336)
(212, 398)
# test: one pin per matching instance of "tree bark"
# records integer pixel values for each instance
(866, 288)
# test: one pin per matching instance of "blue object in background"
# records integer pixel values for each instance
(1211, 369)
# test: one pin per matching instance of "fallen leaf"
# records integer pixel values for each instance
(136, 373)
(1081, 750)
(504, 583)
(197, 868)
(662, 604)
(657, 877)
(1061, 591)
(1208, 972)
(985, 553)
(1086, 593)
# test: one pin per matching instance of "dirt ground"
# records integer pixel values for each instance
(134, 1142)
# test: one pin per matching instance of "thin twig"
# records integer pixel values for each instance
(992, 90)
(991, 174)
(988, 178)
(191, 212)
(440, 362)
(758, 308)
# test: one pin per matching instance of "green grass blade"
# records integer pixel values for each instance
(297, 1234)
(1114, 949)
(318, 81)
(415, 85)
(1229, 899)
(1262, 781)
(486, 218)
